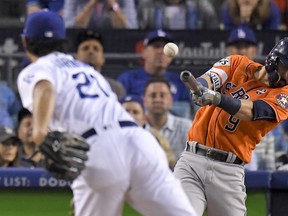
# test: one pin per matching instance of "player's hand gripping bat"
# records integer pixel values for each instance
(190, 82)
(200, 95)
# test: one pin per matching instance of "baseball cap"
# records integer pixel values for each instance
(6, 133)
(157, 35)
(242, 34)
(132, 98)
(88, 35)
(44, 25)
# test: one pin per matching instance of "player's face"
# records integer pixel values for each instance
(157, 98)
(91, 52)
(25, 129)
(283, 72)
(136, 110)
(155, 60)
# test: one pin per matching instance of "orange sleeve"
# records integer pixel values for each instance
(235, 68)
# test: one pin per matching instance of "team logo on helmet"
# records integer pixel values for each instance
(282, 100)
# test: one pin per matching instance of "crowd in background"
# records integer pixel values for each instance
(152, 94)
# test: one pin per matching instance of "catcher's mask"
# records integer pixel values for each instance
(278, 53)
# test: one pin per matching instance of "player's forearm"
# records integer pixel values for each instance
(43, 107)
(243, 109)
(118, 19)
(246, 110)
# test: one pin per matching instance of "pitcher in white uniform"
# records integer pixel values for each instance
(125, 161)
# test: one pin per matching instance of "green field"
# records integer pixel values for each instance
(44, 202)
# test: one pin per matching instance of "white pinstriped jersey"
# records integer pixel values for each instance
(84, 98)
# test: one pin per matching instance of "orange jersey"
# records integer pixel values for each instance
(214, 127)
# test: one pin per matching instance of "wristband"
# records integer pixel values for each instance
(229, 104)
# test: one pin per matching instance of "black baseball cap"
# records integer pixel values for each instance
(23, 113)
(88, 35)
(6, 133)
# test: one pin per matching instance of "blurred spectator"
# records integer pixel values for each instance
(217, 6)
(9, 106)
(157, 102)
(28, 157)
(101, 14)
(155, 65)
(283, 7)
(89, 49)
(270, 148)
(9, 148)
(259, 14)
(37, 5)
(12, 13)
(253, 165)
(177, 14)
(242, 41)
(134, 105)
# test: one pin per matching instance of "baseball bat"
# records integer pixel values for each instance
(190, 82)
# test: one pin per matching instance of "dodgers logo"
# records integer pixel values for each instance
(282, 99)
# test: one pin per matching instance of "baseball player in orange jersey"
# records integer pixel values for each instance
(240, 101)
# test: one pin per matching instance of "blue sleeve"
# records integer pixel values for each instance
(124, 79)
(274, 20)
(226, 19)
(6, 120)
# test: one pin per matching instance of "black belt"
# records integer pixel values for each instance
(214, 154)
(92, 131)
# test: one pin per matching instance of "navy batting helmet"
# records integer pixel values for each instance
(278, 53)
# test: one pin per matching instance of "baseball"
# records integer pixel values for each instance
(170, 49)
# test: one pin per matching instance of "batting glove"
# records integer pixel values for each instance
(208, 97)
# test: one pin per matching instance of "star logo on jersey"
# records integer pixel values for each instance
(282, 99)
(261, 91)
(223, 62)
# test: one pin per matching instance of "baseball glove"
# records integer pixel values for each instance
(64, 154)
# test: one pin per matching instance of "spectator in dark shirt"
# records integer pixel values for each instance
(259, 15)
(28, 157)
(9, 148)
(156, 65)
(90, 49)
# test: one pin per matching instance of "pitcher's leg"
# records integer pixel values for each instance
(154, 190)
